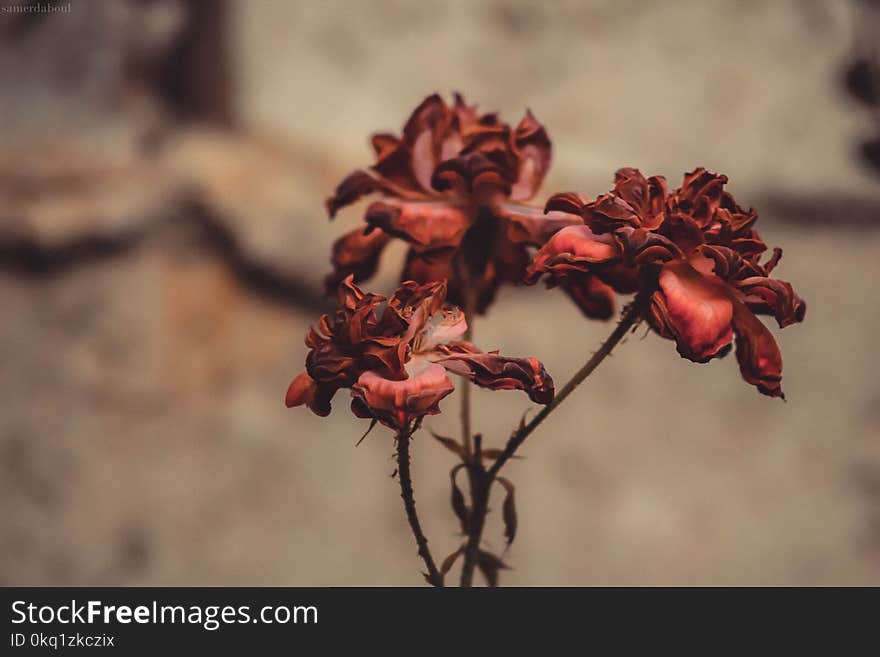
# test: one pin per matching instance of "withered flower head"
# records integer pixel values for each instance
(701, 252)
(396, 362)
(453, 186)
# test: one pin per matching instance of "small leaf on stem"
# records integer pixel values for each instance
(367, 433)
(494, 452)
(451, 444)
(508, 511)
(458, 504)
(450, 560)
(489, 565)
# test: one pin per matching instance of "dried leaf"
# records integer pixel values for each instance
(489, 565)
(451, 444)
(372, 424)
(458, 504)
(493, 453)
(508, 511)
(450, 560)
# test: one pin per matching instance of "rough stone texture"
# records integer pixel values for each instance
(142, 435)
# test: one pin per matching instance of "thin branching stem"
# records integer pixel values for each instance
(476, 521)
(633, 313)
(482, 478)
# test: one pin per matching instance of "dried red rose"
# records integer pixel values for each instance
(453, 187)
(701, 252)
(396, 362)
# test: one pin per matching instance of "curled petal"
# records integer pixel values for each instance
(748, 247)
(411, 297)
(404, 166)
(424, 158)
(413, 306)
(329, 366)
(387, 356)
(360, 409)
(573, 248)
(480, 172)
(760, 361)
(535, 151)
(724, 262)
(763, 295)
(701, 194)
(304, 390)
(406, 163)
(352, 188)
(383, 144)
(301, 391)
(349, 294)
(490, 370)
(684, 231)
(775, 297)
(491, 138)
(405, 316)
(360, 324)
(396, 402)
(465, 114)
(570, 202)
(641, 246)
(423, 134)
(646, 196)
(528, 225)
(630, 185)
(594, 297)
(356, 254)
(456, 148)
(452, 325)
(693, 310)
(426, 224)
(432, 113)
(739, 222)
(463, 119)
(395, 167)
(700, 182)
(608, 212)
(773, 260)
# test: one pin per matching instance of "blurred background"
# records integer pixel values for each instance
(163, 238)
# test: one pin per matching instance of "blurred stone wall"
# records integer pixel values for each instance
(159, 267)
(742, 86)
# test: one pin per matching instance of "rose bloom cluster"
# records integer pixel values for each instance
(700, 252)
(456, 187)
(397, 363)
